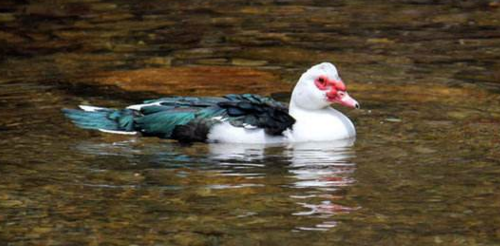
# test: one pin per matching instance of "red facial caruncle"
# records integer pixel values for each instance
(336, 91)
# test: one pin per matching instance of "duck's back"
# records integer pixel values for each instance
(191, 119)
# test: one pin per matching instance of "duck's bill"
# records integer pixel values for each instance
(348, 101)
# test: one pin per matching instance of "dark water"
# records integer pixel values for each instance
(424, 169)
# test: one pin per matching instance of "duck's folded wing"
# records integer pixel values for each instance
(160, 117)
(253, 111)
(189, 119)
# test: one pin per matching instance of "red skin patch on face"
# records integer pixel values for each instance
(324, 83)
(332, 94)
(335, 91)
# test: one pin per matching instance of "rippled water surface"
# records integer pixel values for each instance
(424, 169)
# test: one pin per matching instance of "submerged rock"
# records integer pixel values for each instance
(201, 80)
(249, 63)
(6, 17)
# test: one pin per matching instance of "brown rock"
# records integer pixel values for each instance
(10, 38)
(201, 81)
(7, 17)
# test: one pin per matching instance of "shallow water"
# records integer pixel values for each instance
(422, 171)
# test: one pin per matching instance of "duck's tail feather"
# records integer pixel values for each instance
(103, 119)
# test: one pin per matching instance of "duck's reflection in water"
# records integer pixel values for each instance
(320, 172)
(324, 168)
(316, 173)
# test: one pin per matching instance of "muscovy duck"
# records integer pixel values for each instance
(236, 118)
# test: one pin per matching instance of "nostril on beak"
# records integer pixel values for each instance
(357, 106)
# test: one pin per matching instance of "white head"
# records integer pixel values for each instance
(319, 87)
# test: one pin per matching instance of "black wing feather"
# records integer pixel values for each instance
(261, 112)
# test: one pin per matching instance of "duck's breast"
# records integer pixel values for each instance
(327, 125)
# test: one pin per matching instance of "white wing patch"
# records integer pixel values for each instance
(248, 126)
(90, 108)
(138, 107)
(118, 132)
(219, 118)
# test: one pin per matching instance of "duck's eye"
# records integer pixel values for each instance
(321, 80)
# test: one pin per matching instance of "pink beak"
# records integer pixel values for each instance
(348, 101)
(342, 98)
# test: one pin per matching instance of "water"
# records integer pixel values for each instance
(423, 170)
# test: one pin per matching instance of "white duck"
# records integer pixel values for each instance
(244, 118)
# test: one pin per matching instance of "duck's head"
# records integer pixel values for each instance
(320, 87)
